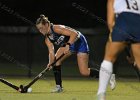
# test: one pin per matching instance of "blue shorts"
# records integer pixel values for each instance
(127, 28)
(80, 45)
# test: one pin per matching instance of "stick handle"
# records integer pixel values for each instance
(42, 73)
(9, 84)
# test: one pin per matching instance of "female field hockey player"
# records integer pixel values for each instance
(123, 18)
(70, 41)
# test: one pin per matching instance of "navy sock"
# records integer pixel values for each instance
(94, 73)
(57, 75)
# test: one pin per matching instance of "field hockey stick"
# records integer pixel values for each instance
(25, 88)
(9, 84)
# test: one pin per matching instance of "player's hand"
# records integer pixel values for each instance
(49, 66)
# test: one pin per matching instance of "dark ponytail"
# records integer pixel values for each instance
(42, 19)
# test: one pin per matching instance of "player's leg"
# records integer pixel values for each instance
(131, 60)
(112, 79)
(107, 66)
(136, 52)
(82, 59)
(57, 70)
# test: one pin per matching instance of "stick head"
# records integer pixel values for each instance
(23, 89)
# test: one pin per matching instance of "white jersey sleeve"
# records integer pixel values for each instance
(132, 6)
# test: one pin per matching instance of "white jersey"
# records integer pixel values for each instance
(127, 6)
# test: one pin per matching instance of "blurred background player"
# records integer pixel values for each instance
(123, 19)
(69, 41)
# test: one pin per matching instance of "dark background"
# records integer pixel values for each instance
(25, 53)
(58, 11)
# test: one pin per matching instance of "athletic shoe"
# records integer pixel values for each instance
(57, 89)
(101, 96)
(112, 82)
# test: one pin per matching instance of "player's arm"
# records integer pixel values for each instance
(67, 32)
(110, 14)
(51, 51)
(61, 29)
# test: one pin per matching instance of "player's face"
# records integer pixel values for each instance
(42, 28)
